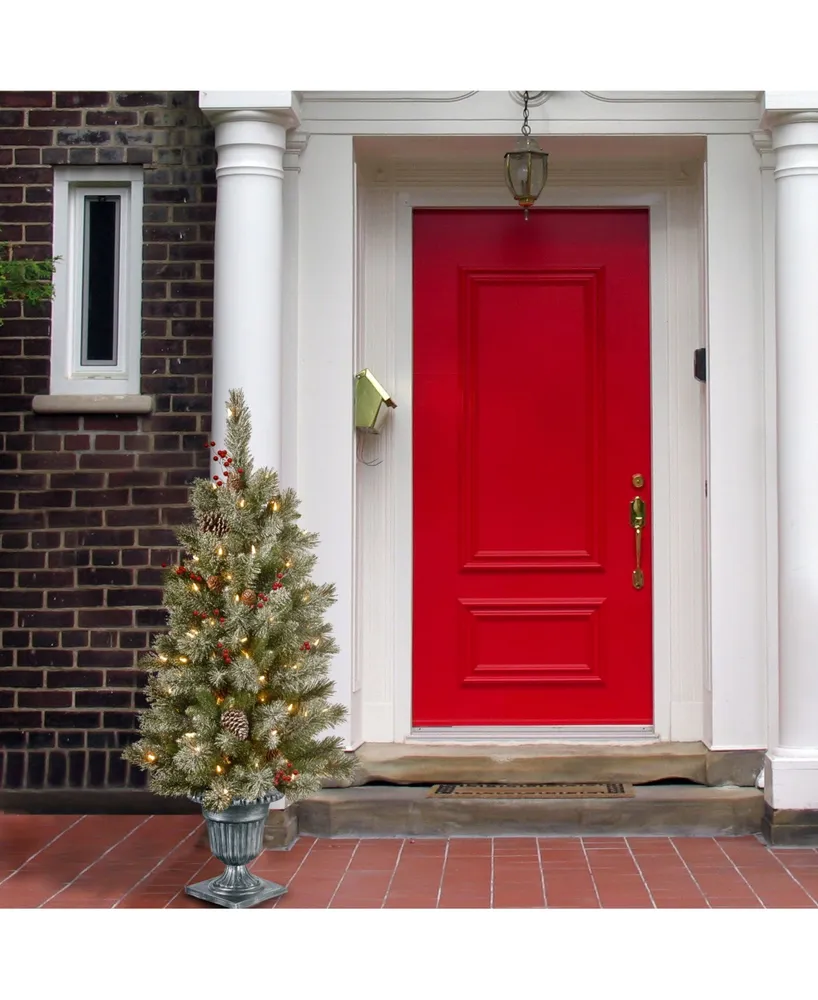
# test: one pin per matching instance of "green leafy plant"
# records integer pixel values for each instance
(25, 280)
(239, 687)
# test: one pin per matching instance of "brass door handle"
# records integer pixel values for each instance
(638, 513)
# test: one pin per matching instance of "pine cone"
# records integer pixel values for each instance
(214, 583)
(236, 723)
(214, 522)
(249, 597)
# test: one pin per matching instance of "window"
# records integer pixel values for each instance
(98, 282)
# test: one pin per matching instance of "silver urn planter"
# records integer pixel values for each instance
(236, 838)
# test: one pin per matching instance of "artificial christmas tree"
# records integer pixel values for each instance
(239, 685)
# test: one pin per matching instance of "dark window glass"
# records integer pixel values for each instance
(100, 280)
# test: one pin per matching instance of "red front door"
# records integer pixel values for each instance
(531, 422)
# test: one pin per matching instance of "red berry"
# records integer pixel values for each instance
(215, 479)
(221, 453)
(164, 565)
(222, 621)
(212, 444)
(241, 471)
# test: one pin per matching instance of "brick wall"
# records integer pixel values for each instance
(87, 503)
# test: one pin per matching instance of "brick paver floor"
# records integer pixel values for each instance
(138, 861)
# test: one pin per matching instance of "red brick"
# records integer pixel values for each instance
(77, 442)
(75, 599)
(105, 618)
(25, 213)
(141, 99)
(26, 98)
(113, 460)
(28, 156)
(111, 423)
(39, 195)
(45, 699)
(111, 118)
(11, 118)
(107, 442)
(25, 175)
(25, 137)
(102, 498)
(50, 119)
(83, 99)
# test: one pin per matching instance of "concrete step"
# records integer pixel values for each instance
(659, 810)
(429, 763)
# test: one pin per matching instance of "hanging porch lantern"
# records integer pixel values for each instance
(526, 166)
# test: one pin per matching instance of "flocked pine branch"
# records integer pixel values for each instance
(239, 689)
(24, 280)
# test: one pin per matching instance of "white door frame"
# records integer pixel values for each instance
(677, 517)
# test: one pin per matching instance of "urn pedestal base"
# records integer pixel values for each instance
(235, 888)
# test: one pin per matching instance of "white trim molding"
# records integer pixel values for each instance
(736, 442)
(285, 105)
(497, 112)
(325, 435)
(526, 735)
(789, 101)
(70, 373)
(672, 96)
(383, 623)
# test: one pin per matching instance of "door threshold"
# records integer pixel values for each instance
(532, 734)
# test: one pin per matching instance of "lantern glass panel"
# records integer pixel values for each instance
(526, 171)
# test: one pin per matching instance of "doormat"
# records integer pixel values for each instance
(496, 790)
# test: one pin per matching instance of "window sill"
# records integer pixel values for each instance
(129, 404)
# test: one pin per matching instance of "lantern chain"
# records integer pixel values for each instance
(526, 127)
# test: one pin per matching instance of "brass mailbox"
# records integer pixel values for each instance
(372, 403)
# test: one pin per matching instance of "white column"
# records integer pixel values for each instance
(250, 145)
(792, 766)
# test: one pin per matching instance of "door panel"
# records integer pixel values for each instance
(531, 416)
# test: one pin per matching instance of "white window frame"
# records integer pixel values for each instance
(69, 376)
